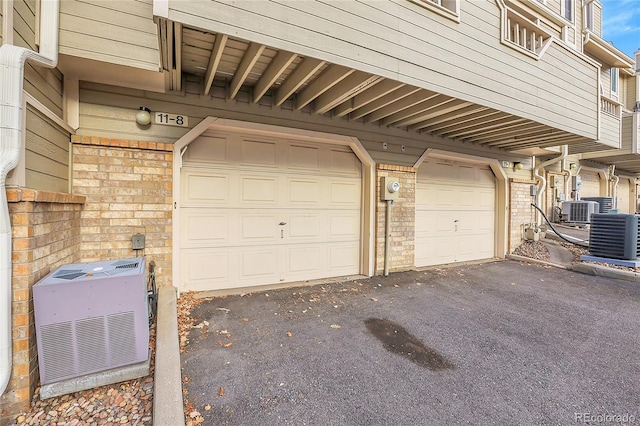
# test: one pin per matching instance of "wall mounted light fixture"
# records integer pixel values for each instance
(518, 166)
(143, 117)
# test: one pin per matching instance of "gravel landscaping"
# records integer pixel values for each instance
(127, 403)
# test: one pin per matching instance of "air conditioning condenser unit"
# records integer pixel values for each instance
(91, 317)
(605, 203)
(614, 236)
(579, 211)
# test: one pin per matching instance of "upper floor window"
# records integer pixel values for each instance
(567, 9)
(615, 82)
(446, 8)
(588, 19)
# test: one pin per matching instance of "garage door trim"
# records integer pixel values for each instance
(500, 243)
(215, 123)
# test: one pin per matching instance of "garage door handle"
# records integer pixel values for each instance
(456, 221)
(282, 223)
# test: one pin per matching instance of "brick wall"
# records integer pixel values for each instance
(520, 210)
(46, 234)
(128, 185)
(403, 216)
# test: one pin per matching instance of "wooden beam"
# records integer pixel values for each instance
(177, 43)
(297, 78)
(421, 107)
(384, 101)
(445, 118)
(275, 69)
(249, 59)
(456, 134)
(325, 81)
(521, 126)
(344, 90)
(467, 121)
(451, 106)
(369, 95)
(406, 102)
(502, 135)
(532, 138)
(214, 60)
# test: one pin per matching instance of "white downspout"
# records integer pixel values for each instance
(542, 181)
(12, 60)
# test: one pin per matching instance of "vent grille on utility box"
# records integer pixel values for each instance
(614, 236)
(605, 203)
(91, 317)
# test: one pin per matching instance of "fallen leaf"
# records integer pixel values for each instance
(220, 342)
(221, 391)
(194, 414)
(289, 334)
(228, 345)
(245, 319)
(374, 299)
(396, 285)
(334, 326)
(207, 407)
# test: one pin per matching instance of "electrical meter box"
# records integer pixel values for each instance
(389, 188)
(576, 183)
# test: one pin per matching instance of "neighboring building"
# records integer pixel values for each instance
(274, 122)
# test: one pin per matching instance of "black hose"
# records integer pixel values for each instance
(558, 233)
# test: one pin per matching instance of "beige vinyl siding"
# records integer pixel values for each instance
(24, 23)
(406, 42)
(610, 130)
(605, 81)
(46, 154)
(1, 22)
(107, 111)
(627, 132)
(44, 84)
(118, 32)
(597, 20)
(554, 5)
(630, 83)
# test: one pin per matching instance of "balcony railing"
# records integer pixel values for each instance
(610, 106)
(525, 35)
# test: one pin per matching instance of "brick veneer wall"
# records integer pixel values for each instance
(128, 185)
(520, 212)
(46, 234)
(403, 217)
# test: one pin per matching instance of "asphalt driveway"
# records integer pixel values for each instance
(494, 343)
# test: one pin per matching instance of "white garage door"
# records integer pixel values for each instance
(455, 212)
(260, 211)
(590, 186)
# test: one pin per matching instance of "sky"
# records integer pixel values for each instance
(621, 24)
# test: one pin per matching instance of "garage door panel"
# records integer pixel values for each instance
(203, 267)
(306, 226)
(467, 174)
(344, 162)
(208, 149)
(259, 153)
(468, 198)
(304, 191)
(305, 262)
(623, 196)
(344, 226)
(201, 188)
(344, 193)
(304, 157)
(205, 228)
(590, 184)
(261, 264)
(258, 190)
(343, 258)
(263, 227)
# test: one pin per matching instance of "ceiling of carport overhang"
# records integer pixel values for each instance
(325, 88)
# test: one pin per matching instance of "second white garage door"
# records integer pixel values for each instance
(455, 212)
(260, 211)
